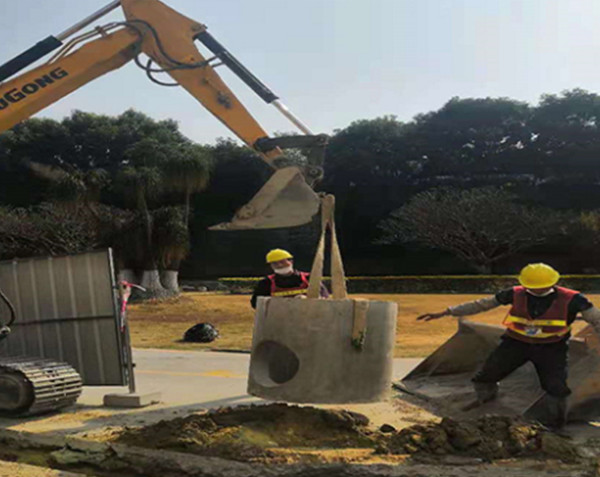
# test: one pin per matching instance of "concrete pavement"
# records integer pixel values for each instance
(204, 378)
(189, 381)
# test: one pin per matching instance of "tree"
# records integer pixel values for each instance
(143, 185)
(546, 154)
(368, 170)
(171, 242)
(187, 172)
(480, 226)
(566, 149)
(55, 229)
(129, 161)
(237, 175)
(470, 132)
(583, 242)
(72, 186)
(82, 141)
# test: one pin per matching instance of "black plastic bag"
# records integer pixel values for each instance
(201, 333)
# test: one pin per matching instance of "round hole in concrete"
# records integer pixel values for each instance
(274, 364)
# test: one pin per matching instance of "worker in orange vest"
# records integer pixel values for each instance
(538, 327)
(285, 281)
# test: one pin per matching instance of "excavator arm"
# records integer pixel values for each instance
(37, 89)
(168, 39)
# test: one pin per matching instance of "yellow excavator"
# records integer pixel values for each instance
(169, 42)
(168, 39)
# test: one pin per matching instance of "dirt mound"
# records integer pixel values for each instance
(488, 438)
(254, 433)
(280, 433)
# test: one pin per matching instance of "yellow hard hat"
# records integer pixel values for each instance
(538, 275)
(277, 255)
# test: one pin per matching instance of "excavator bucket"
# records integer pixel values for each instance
(286, 200)
(444, 377)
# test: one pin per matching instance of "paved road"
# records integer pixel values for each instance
(208, 379)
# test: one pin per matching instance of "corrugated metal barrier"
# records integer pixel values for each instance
(66, 310)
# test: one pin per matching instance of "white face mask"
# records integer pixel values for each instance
(285, 270)
(541, 294)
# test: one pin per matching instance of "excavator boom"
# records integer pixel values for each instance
(37, 89)
(168, 39)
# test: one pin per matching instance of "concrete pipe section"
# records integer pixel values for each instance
(306, 351)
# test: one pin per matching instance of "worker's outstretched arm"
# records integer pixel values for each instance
(592, 316)
(591, 333)
(465, 309)
(25, 95)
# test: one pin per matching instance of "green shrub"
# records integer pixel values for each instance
(434, 284)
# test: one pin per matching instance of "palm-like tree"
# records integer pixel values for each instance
(153, 239)
(187, 172)
(141, 186)
(141, 183)
(171, 242)
(72, 186)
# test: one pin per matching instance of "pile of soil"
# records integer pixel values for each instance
(253, 433)
(280, 433)
(488, 438)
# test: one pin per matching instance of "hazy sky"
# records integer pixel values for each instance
(334, 61)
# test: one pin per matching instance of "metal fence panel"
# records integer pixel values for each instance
(66, 310)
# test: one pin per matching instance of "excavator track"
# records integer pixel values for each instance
(30, 386)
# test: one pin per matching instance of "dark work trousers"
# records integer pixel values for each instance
(550, 361)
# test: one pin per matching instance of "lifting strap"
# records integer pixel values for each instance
(338, 276)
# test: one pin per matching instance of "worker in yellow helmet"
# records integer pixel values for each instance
(538, 327)
(285, 281)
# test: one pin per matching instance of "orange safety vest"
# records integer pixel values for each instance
(289, 292)
(551, 327)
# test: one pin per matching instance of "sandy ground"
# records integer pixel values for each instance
(162, 325)
(89, 420)
(14, 469)
(192, 382)
(84, 421)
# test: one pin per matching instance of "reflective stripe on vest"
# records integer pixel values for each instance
(536, 322)
(292, 292)
(288, 292)
(537, 333)
(549, 327)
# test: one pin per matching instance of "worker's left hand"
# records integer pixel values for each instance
(300, 296)
(432, 316)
